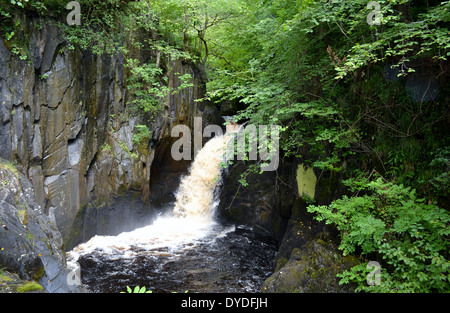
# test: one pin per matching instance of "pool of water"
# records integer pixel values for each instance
(224, 258)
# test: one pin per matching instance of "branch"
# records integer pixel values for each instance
(220, 57)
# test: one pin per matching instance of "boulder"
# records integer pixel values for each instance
(275, 203)
(311, 269)
(12, 283)
(300, 229)
(30, 244)
(308, 257)
(255, 205)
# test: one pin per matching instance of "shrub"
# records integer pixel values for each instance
(389, 223)
(137, 289)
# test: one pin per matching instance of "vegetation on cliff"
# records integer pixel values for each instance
(366, 98)
(367, 101)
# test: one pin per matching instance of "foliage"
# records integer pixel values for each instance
(439, 173)
(274, 54)
(399, 38)
(146, 87)
(336, 85)
(186, 23)
(143, 133)
(389, 222)
(319, 70)
(137, 289)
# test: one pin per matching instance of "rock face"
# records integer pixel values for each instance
(255, 205)
(308, 259)
(311, 269)
(56, 117)
(65, 122)
(30, 244)
(274, 204)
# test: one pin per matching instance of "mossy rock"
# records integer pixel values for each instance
(11, 283)
(30, 286)
(311, 269)
(31, 245)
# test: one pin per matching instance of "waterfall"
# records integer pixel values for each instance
(192, 216)
(184, 249)
(195, 196)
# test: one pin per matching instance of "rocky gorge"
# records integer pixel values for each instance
(70, 168)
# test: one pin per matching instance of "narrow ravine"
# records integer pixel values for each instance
(183, 249)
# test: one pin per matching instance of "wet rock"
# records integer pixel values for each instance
(5, 137)
(311, 269)
(36, 153)
(301, 229)
(30, 244)
(44, 44)
(254, 205)
(12, 283)
(37, 178)
(75, 148)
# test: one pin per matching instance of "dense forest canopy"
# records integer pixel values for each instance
(358, 90)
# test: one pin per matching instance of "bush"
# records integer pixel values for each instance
(387, 222)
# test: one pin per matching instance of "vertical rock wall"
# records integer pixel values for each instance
(64, 123)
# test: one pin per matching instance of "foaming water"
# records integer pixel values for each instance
(192, 216)
(195, 196)
(188, 235)
(168, 233)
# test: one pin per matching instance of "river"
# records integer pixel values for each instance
(185, 249)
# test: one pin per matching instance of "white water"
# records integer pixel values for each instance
(191, 219)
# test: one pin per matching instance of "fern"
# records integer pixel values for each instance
(389, 223)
